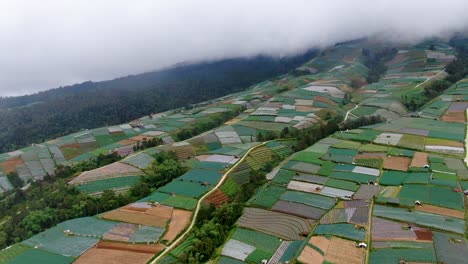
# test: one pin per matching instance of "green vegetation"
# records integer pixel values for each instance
(52, 201)
(214, 224)
(456, 70)
(375, 60)
(65, 110)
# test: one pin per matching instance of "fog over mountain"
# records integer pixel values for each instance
(46, 44)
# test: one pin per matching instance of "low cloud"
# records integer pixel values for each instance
(46, 44)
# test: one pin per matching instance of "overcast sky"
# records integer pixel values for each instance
(45, 44)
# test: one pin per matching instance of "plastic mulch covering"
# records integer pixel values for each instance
(147, 234)
(341, 230)
(140, 160)
(190, 189)
(87, 226)
(450, 248)
(201, 176)
(315, 200)
(155, 197)
(107, 184)
(54, 240)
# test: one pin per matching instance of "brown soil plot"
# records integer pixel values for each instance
(140, 218)
(344, 251)
(453, 116)
(10, 165)
(112, 256)
(310, 256)
(217, 198)
(126, 142)
(441, 211)
(419, 159)
(179, 220)
(320, 242)
(397, 163)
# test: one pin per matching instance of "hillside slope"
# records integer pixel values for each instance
(45, 115)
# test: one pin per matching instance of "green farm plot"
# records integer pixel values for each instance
(338, 158)
(326, 168)
(445, 179)
(208, 165)
(344, 167)
(180, 202)
(260, 118)
(141, 160)
(424, 219)
(257, 256)
(244, 130)
(213, 145)
(283, 177)
(394, 255)
(366, 135)
(306, 156)
(394, 178)
(340, 184)
(318, 148)
(352, 176)
(372, 163)
(434, 195)
(412, 142)
(267, 195)
(190, 189)
(264, 242)
(348, 231)
(364, 110)
(401, 152)
(344, 152)
(8, 254)
(264, 125)
(227, 260)
(315, 200)
(40, 256)
(155, 197)
(83, 157)
(104, 140)
(373, 148)
(108, 184)
(201, 176)
(344, 144)
(87, 226)
(230, 188)
(303, 167)
(291, 251)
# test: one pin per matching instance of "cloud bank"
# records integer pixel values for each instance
(46, 44)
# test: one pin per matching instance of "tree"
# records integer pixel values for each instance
(38, 220)
(15, 180)
(140, 189)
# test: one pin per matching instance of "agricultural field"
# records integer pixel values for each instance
(395, 186)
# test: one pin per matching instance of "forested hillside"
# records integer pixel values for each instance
(35, 118)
